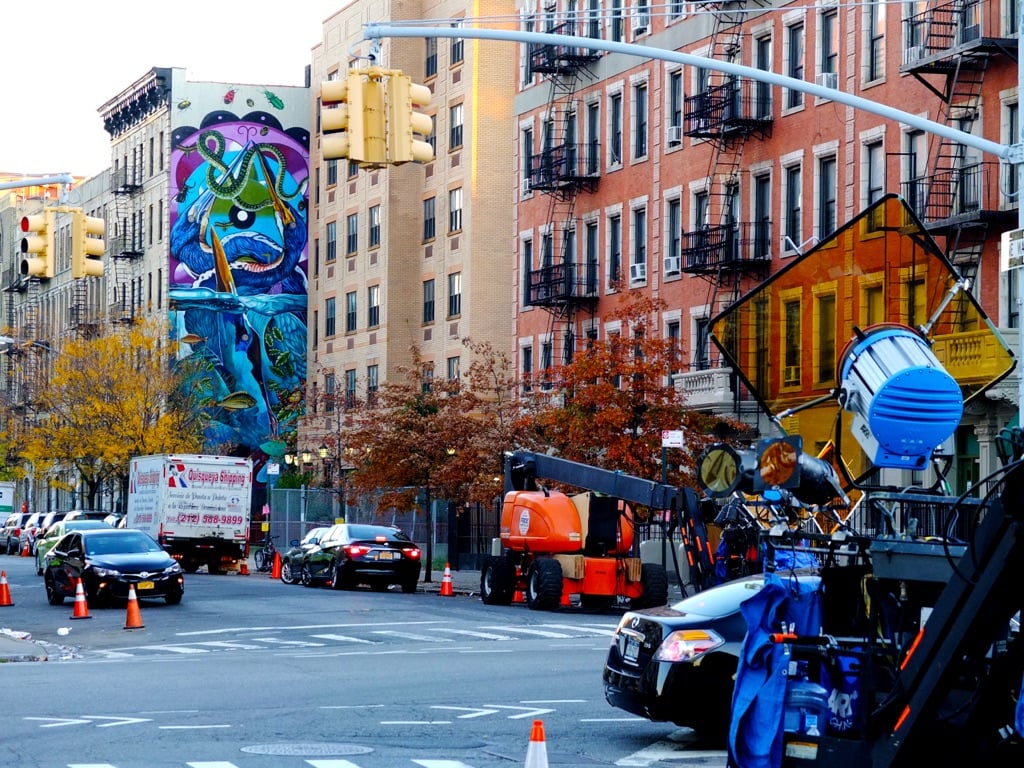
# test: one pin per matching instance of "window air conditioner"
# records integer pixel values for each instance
(913, 53)
(526, 188)
(641, 23)
(672, 264)
(637, 273)
(674, 134)
(828, 79)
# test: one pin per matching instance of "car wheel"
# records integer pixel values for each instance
(260, 560)
(337, 578)
(305, 576)
(173, 598)
(286, 572)
(654, 582)
(379, 586)
(544, 585)
(712, 726)
(39, 566)
(8, 547)
(497, 581)
(53, 597)
(409, 587)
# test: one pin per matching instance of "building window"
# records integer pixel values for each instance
(672, 336)
(373, 306)
(352, 169)
(428, 218)
(795, 63)
(526, 146)
(430, 63)
(427, 382)
(701, 344)
(593, 162)
(332, 241)
(330, 394)
(453, 369)
(547, 249)
(374, 226)
(455, 127)
(332, 173)
(1012, 288)
(827, 191)
(454, 294)
(527, 257)
(614, 248)
(590, 244)
(432, 138)
(674, 236)
(457, 45)
(618, 22)
(640, 109)
(826, 319)
(372, 383)
(638, 269)
(615, 129)
(1011, 135)
(547, 359)
(527, 368)
(791, 343)
(455, 210)
(793, 211)
(875, 27)
(675, 108)
(351, 234)
(330, 317)
(874, 180)
(428, 301)
(351, 311)
(350, 388)
(829, 41)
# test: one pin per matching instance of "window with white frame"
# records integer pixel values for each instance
(792, 201)
(874, 39)
(374, 226)
(640, 117)
(526, 367)
(615, 129)
(453, 368)
(428, 301)
(458, 47)
(351, 234)
(638, 258)
(331, 235)
(527, 261)
(430, 59)
(454, 294)
(795, 62)
(330, 317)
(675, 108)
(429, 205)
(614, 248)
(455, 127)
(351, 312)
(617, 21)
(673, 235)
(827, 196)
(828, 42)
(372, 306)
(455, 210)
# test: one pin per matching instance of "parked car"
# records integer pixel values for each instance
(10, 538)
(349, 555)
(86, 514)
(45, 543)
(30, 532)
(115, 520)
(676, 663)
(291, 559)
(49, 519)
(108, 560)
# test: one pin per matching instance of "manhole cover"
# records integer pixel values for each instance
(307, 749)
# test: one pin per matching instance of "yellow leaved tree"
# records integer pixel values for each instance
(109, 398)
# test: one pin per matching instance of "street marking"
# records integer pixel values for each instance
(344, 639)
(331, 764)
(229, 630)
(90, 765)
(58, 722)
(278, 641)
(412, 636)
(170, 648)
(674, 751)
(442, 764)
(582, 628)
(526, 711)
(189, 727)
(471, 633)
(118, 720)
(537, 632)
(229, 644)
(474, 711)
(212, 764)
(415, 722)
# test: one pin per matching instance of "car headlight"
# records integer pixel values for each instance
(173, 569)
(687, 644)
(106, 573)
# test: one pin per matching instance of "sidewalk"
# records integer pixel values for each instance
(15, 647)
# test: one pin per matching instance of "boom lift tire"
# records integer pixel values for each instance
(654, 581)
(497, 581)
(544, 585)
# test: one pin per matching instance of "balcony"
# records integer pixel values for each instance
(126, 246)
(953, 36)
(125, 181)
(737, 108)
(958, 196)
(562, 283)
(709, 389)
(741, 246)
(564, 59)
(566, 168)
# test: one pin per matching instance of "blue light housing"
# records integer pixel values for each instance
(905, 404)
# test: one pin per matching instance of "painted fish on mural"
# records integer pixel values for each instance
(237, 401)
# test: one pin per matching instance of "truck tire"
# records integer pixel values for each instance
(497, 581)
(654, 582)
(544, 585)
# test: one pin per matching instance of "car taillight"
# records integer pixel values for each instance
(356, 550)
(687, 644)
(412, 553)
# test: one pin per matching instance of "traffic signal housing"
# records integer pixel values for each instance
(356, 128)
(405, 122)
(87, 245)
(37, 246)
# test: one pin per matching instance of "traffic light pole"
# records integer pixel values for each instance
(1011, 153)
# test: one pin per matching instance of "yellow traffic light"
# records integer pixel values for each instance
(355, 129)
(87, 245)
(37, 244)
(404, 122)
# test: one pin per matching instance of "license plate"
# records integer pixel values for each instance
(385, 555)
(145, 585)
(632, 649)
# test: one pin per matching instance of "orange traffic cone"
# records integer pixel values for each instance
(275, 571)
(5, 591)
(446, 582)
(518, 596)
(243, 568)
(81, 606)
(134, 618)
(25, 550)
(537, 752)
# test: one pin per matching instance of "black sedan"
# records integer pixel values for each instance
(676, 663)
(108, 561)
(349, 555)
(291, 560)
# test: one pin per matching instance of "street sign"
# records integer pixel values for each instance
(1011, 250)
(672, 438)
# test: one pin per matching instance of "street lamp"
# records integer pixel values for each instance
(307, 457)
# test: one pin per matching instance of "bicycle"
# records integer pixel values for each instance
(264, 556)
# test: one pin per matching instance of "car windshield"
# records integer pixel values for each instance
(134, 543)
(371, 532)
(721, 600)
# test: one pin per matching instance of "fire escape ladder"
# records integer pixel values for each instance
(125, 247)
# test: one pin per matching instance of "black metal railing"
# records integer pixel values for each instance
(736, 106)
(953, 193)
(546, 58)
(744, 244)
(564, 165)
(559, 283)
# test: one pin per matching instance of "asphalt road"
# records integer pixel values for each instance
(251, 673)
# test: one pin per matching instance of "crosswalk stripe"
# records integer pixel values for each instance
(331, 764)
(471, 633)
(90, 765)
(581, 628)
(212, 764)
(174, 648)
(228, 644)
(345, 639)
(537, 632)
(412, 636)
(279, 641)
(442, 764)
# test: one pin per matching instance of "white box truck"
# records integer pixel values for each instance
(197, 507)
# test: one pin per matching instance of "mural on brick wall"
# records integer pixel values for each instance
(238, 206)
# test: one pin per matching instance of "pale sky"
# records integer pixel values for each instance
(60, 60)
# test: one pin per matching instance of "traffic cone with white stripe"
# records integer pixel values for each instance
(537, 752)
(133, 620)
(5, 590)
(446, 582)
(81, 604)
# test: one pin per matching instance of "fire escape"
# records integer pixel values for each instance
(727, 112)
(957, 197)
(562, 169)
(126, 246)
